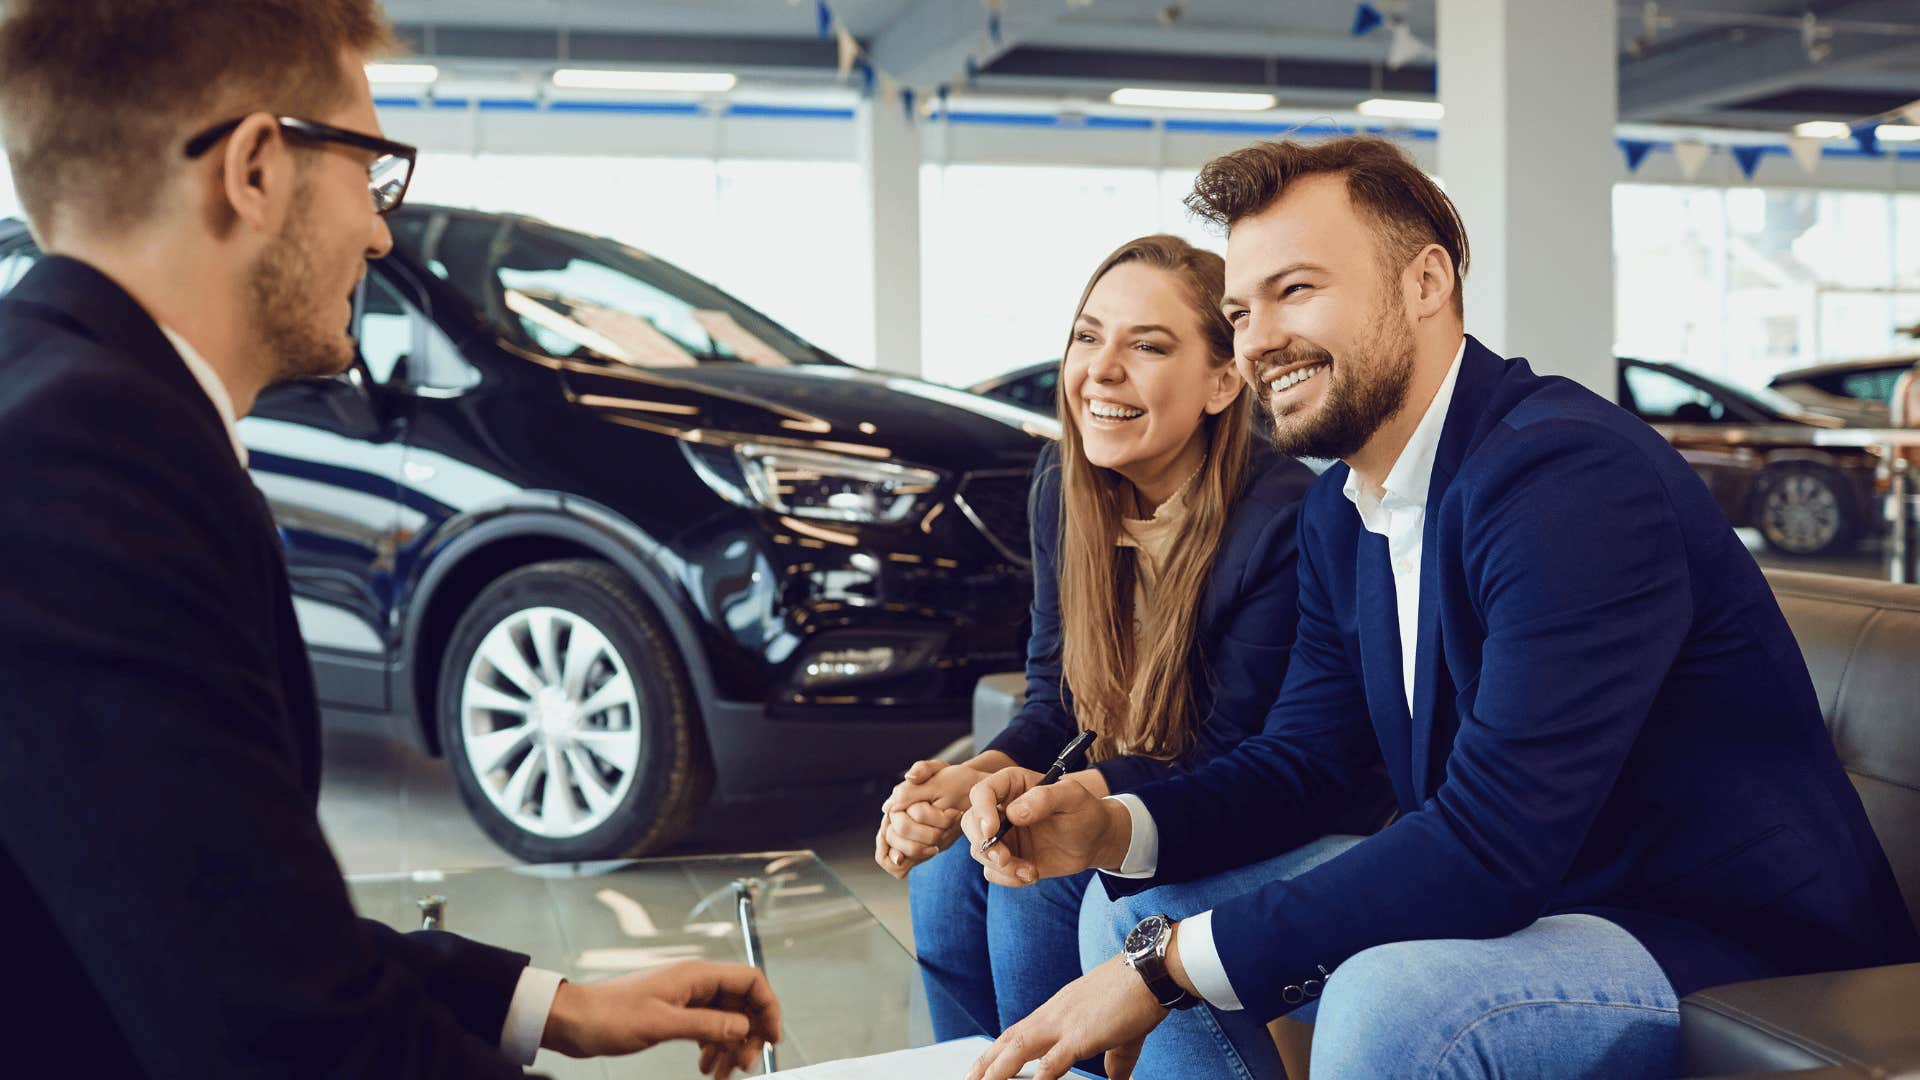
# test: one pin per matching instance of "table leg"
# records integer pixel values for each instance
(744, 891)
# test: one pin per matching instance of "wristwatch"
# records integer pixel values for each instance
(1146, 953)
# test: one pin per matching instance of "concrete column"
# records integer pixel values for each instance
(1527, 153)
(888, 149)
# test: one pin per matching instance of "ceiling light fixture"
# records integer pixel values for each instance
(1192, 99)
(1398, 109)
(693, 82)
(402, 74)
(1897, 133)
(1823, 129)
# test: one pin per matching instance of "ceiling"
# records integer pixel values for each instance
(1732, 63)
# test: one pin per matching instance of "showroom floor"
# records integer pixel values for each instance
(389, 809)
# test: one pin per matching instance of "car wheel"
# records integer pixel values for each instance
(1803, 510)
(568, 719)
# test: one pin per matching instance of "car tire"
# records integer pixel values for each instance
(1803, 510)
(562, 668)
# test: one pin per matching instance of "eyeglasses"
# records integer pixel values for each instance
(387, 176)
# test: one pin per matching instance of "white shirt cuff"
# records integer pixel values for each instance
(527, 1014)
(1143, 849)
(1202, 960)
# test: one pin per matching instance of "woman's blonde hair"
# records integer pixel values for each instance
(1100, 652)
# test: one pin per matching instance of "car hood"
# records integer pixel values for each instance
(912, 420)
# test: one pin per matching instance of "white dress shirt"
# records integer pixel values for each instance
(533, 994)
(216, 390)
(1400, 515)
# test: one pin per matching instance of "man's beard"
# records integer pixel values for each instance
(1364, 391)
(280, 293)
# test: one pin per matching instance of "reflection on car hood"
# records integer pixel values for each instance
(912, 420)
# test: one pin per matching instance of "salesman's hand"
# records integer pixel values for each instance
(727, 1008)
(1059, 829)
(1107, 1009)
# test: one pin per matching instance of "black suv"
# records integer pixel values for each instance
(616, 543)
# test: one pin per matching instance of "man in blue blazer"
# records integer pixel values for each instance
(1614, 783)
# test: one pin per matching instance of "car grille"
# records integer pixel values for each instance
(996, 502)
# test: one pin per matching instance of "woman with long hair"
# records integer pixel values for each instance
(1163, 614)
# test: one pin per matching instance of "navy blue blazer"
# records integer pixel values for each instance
(1245, 627)
(1611, 716)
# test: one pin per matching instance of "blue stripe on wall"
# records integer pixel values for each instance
(644, 108)
(987, 119)
(788, 112)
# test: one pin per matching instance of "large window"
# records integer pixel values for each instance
(1746, 282)
(1006, 250)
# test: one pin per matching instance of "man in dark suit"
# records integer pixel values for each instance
(1613, 779)
(208, 179)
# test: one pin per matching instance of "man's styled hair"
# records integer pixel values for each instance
(96, 95)
(1408, 208)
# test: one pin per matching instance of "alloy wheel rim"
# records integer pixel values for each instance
(550, 721)
(1802, 514)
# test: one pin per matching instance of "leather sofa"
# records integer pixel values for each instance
(1861, 640)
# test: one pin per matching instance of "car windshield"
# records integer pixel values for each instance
(576, 296)
(1769, 401)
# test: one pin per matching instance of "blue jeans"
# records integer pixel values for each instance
(1568, 996)
(990, 955)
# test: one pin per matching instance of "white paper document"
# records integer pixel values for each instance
(942, 1061)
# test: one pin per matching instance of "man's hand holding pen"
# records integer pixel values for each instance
(1057, 829)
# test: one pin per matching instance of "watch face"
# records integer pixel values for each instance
(1146, 936)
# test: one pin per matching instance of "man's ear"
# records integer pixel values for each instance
(257, 173)
(1227, 385)
(1433, 281)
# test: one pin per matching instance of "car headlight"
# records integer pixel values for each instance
(817, 484)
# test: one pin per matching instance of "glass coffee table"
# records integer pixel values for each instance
(847, 987)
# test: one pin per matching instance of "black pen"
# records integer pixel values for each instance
(1054, 772)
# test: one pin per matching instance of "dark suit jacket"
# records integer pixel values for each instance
(1245, 634)
(171, 905)
(1610, 716)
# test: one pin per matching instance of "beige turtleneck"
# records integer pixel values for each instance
(1153, 539)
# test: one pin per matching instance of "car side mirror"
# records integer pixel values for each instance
(351, 401)
(346, 404)
(400, 379)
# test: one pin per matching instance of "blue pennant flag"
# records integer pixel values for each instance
(906, 103)
(1636, 151)
(1366, 18)
(973, 71)
(1749, 158)
(993, 26)
(824, 15)
(942, 94)
(866, 77)
(1868, 138)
